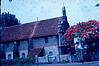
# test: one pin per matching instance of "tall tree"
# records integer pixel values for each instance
(7, 19)
(89, 33)
(84, 29)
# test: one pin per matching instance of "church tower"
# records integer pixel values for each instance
(65, 23)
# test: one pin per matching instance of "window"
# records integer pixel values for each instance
(23, 55)
(9, 56)
(50, 53)
(46, 39)
(10, 0)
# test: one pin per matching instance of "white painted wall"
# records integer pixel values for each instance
(23, 45)
(9, 50)
(40, 42)
(48, 49)
(54, 49)
(7, 53)
(29, 10)
(43, 59)
(23, 48)
(23, 51)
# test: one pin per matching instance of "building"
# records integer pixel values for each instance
(40, 39)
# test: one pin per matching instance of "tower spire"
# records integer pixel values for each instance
(63, 11)
(64, 18)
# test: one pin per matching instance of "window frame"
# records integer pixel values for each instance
(23, 55)
(9, 56)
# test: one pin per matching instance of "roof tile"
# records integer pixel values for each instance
(30, 30)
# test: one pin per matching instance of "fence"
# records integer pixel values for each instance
(29, 61)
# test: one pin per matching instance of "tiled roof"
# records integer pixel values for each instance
(31, 30)
(35, 51)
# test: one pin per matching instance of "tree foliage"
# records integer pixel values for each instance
(7, 19)
(84, 29)
(89, 34)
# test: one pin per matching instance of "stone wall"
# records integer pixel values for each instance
(52, 54)
(40, 42)
(23, 48)
(9, 49)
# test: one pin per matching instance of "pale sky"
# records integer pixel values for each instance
(31, 10)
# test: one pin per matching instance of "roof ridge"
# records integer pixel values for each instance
(33, 22)
(33, 31)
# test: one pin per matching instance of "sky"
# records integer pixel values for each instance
(33, 10)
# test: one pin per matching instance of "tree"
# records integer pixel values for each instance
(7, 19)
(89, 31)
(84, 29)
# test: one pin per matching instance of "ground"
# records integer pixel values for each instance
(95, 63)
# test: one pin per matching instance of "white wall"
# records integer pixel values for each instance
(54, 50)
(23, 51)
(7, 53)
(23, 45)
(43, 59)
(29, 10)
(9, 50)
(40, 42)
(23, 48)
